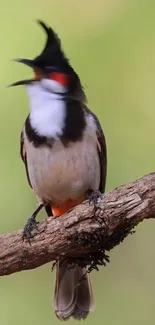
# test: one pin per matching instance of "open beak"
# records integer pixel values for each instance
(29, 63)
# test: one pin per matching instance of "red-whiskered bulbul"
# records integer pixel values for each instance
(64, 151)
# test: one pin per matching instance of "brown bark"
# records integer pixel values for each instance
(79, 233)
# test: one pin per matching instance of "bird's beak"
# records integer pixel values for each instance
(29, 63)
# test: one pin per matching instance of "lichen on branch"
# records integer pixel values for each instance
(80, 236)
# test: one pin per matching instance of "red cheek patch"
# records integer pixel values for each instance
(59, 77)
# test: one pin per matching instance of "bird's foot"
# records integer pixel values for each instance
(31, 225)
(93, 197)
(29, 228)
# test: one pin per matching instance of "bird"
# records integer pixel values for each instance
(63, 148)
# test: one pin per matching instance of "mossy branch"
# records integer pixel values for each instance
(79, 236)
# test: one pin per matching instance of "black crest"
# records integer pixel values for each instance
(52, 54)
(54, 57)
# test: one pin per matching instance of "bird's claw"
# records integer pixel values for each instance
(93, 197)
(29, 228)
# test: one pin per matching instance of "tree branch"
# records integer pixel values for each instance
(78, 236)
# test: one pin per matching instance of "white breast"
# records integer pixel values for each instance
(48, 110)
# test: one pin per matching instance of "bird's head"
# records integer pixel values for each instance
(52, 70)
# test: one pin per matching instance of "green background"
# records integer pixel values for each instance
(111, 44)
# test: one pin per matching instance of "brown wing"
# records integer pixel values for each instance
(102, 151)
(23, 156)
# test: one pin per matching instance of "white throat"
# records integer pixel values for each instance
(47, 109)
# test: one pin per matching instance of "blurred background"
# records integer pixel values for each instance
(111, 44)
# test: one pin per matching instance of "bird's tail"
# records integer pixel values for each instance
(73, 297)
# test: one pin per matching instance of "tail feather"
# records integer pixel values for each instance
(64, 299)
(85, 298)
(72, 297)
